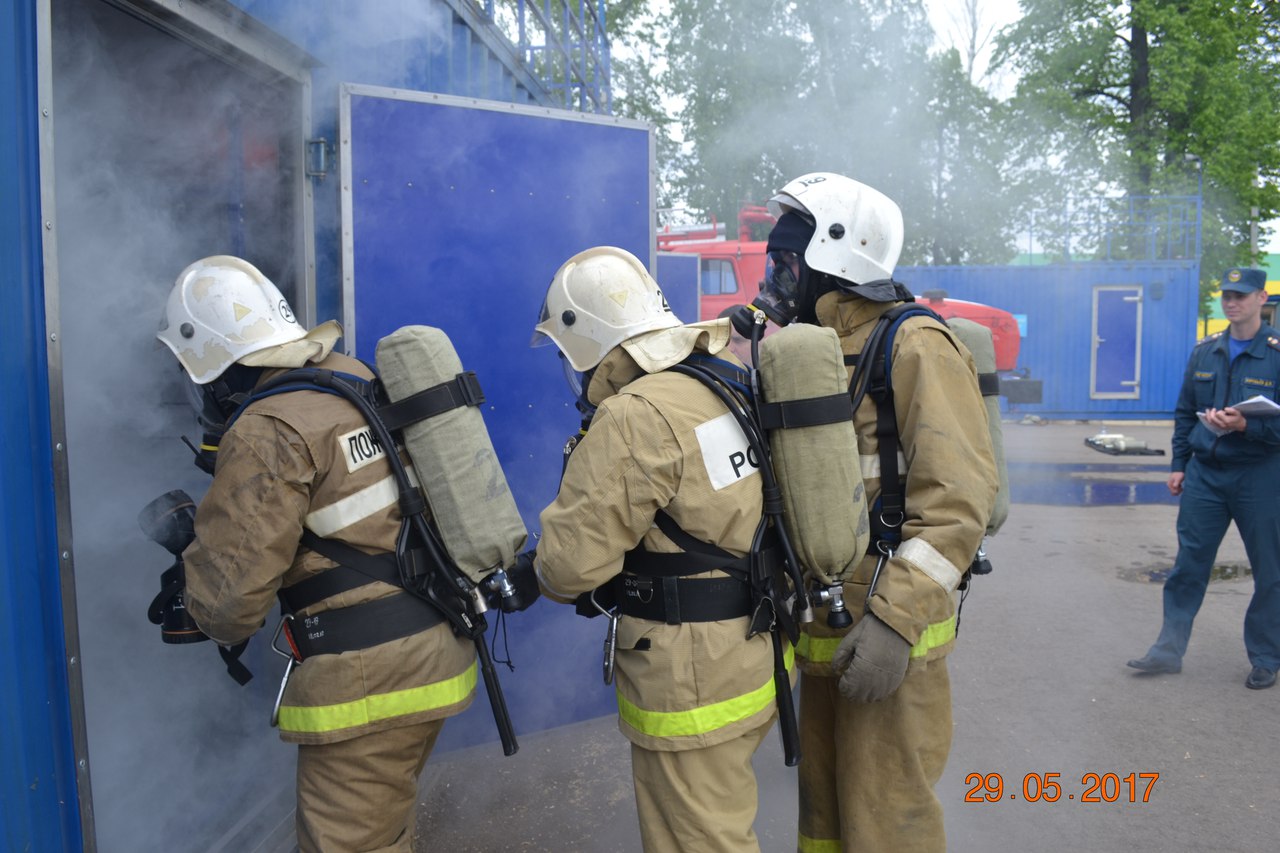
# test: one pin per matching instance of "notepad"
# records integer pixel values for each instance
(1257, 406)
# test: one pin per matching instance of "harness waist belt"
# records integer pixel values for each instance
(676, 600)
(338, 579)
(361, 626)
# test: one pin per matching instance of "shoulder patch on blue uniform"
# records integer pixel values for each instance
(1209, 338)
(1273, 342)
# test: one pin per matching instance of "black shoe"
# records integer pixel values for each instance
(1260, 678)
(1156, 666)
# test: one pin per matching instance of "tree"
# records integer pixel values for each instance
(765, 90)
(1125, 98)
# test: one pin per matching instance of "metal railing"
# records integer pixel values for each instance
(1123, 228)
(563, 43)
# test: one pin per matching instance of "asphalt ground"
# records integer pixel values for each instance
(1039, 686)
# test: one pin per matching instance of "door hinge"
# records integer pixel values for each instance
(318, 153)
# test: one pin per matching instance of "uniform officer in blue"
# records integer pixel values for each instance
(1226, 465)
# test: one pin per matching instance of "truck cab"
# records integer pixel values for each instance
(731, 271)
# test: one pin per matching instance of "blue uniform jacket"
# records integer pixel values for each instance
(1213, 381)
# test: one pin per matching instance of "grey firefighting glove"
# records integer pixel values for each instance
(872, 660)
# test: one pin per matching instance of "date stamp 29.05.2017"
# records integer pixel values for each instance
(1049, 788)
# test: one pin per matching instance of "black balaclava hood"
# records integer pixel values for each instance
(792, 300)
(792, 233)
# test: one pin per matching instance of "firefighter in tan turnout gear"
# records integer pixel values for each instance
(373, 689)
(875, 700)
(695, 695)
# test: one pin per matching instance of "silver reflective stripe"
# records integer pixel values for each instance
(370, 500)
(870, 465)
(926, 558)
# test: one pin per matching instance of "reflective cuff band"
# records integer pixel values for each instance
(704, 719)
(926, 558)
(823, 649)
(805, 844)
(937, 634)
(381, 706)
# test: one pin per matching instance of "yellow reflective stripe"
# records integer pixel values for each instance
(823, 649)
(937, 634)
(707, 718)
(817, 649)
(805, 844)
(380, 706)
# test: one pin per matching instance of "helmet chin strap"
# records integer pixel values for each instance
(583, 405)
(813, 285)
(228, 392)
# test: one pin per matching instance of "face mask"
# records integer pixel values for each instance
(215, 402)
(579, 381)
(779, 297)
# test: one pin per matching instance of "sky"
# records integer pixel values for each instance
(993, 15)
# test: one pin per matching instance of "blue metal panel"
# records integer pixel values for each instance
(460, 218)
(677, 275)
(1057, 303)
(38, 795)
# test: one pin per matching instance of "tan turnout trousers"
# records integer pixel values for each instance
(359, 794)
(698, 800)
(867, 776)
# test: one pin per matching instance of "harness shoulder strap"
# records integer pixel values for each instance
(874, 375)
(696, 556)
(355, 569)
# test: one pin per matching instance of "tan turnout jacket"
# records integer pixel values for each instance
(286, 463)
(662, 441)
(949, 474)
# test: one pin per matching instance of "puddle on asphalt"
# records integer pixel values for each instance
(1220, 572)
(1077, 484)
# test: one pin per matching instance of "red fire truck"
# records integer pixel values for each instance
(731, 272)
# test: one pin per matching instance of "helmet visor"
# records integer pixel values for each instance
(540, 338)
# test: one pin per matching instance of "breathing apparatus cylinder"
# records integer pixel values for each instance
(977, 339)
(817, 466)
(471, 503)
(169, 521)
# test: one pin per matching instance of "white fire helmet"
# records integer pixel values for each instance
(598, 299)
(220, 310)
(859, 232)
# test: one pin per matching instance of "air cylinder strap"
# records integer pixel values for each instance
(462, 390)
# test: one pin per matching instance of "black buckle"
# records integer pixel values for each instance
(469, 387)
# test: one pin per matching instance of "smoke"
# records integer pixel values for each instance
(155, 145)
(165, 153)
(377, 42)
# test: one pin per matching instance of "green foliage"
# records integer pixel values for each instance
(766, 90)
(1124, 98)
(1113, 100)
